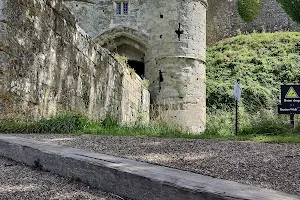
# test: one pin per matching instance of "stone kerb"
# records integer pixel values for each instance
(128, 178)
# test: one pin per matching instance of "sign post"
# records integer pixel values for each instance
(292, 121)
(290, 102)
(237, 91)
(236, 117)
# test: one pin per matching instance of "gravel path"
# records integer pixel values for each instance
(274, 166)
(18, 182)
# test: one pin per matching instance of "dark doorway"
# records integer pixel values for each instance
(139, 67)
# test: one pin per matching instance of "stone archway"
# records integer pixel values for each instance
(129, 42)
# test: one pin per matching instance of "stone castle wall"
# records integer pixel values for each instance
(223, 20)
(48, 64)
(174, 66)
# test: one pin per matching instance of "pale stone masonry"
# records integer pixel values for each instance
(223, 20)
(173, 54)
(50, 65)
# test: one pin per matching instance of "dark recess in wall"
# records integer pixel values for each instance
(139, 67)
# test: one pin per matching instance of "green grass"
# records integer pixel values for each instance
(78, 124)
(262, 62)
(262, 126)
(64, 123)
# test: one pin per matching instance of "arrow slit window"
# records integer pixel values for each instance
(122, 8)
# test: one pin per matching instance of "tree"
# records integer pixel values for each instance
(249, 9)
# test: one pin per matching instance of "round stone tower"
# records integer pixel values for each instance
(175, 61)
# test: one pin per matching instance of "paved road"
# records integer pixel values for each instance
(19, 182)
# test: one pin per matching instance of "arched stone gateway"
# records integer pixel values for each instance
(170, 37)
(128, 42)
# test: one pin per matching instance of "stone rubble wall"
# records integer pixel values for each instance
(49, 65)
(223, 20)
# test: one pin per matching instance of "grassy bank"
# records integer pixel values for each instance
(262, 127)
(262, 62)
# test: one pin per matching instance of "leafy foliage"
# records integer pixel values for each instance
(249, 9)
(122, 59)
(262, 62)
(292, 8)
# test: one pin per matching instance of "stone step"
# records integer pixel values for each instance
(128, 178)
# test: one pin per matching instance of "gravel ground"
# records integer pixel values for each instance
(19, 182)
(274, 166)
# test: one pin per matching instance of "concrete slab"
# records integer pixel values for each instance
(128, 178)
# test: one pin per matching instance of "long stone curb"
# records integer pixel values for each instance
(128, 178)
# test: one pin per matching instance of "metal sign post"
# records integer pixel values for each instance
(292, 120)
(237, 91)
(236, 117)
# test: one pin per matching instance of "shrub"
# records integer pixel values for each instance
(262, 62)
(249, 9)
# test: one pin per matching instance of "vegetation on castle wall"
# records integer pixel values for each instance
(262, 62)
(249, 9)
(123, 60)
